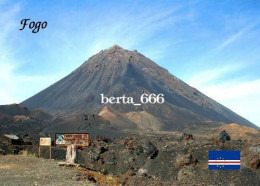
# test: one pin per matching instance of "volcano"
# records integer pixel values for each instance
(115, 72)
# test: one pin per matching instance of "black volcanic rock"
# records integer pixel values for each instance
(117, 72)
(223, 137)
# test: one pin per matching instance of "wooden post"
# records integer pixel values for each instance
(39, 151)
(50, 151)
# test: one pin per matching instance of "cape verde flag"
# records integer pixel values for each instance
(224, 159)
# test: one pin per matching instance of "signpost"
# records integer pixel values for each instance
(45, 141)
(77, 139)
(71, 141)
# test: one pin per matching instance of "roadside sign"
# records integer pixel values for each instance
(78, 139)
(46, 141)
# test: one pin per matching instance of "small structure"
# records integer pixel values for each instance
(12, 139)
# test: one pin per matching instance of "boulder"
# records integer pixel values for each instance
(186, 137)
(255, 163)
(94, 155)
(185, 159)
(103, 149)
(223, 137)
(149, 149)
(142, 172)
(255, 149)
(103, 139)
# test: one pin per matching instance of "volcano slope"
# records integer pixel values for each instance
(116, 72)
(17, 119)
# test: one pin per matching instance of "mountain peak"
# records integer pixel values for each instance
(116, 47)
(115, 72)
(114, 55)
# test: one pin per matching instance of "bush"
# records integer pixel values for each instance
(104, 171)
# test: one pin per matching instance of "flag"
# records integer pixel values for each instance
(224, 160)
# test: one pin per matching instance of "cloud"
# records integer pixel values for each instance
(233, 90)
(208, 76)
(6, 88)
(128, 26)
(6, 61)
(243, 97)
(15, 87)
(236, 36)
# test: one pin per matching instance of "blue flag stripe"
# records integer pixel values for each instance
(226, 155)
(225, 167)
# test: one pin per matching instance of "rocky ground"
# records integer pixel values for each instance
(176, 159)
(23, 170)
(139, 159)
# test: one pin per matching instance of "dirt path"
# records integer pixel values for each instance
(21, 170)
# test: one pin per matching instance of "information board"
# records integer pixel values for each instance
(78, 139)
(45, 141)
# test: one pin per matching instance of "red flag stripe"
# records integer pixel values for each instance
(222, 162)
